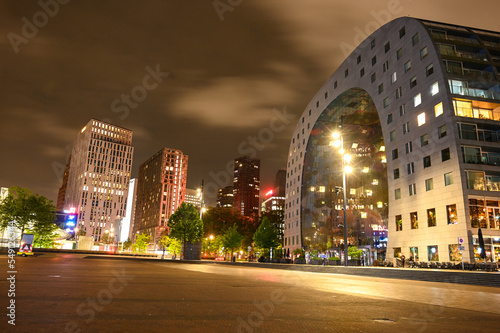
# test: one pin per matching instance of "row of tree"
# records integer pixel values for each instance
(32, 213)
(225, 227)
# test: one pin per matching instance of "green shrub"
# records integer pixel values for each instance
(334, 258)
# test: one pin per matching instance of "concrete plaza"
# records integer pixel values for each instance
(75, 293)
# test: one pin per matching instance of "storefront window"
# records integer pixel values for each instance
(484, 213)
(432, 253)
(414, 253)
(455, 254)
(397, 252)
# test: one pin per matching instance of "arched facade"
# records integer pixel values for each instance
(421, 107)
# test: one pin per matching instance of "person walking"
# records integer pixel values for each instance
(403, 261)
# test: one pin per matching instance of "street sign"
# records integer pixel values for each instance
(461, 248)
(460, 240)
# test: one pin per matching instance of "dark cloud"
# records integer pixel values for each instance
(225, 78)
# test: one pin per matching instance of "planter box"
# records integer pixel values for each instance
(316, 262)
(286, 261)
(333, 262)
(299, 261)
(353, 262)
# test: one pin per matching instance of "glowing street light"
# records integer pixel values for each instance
(346, 159)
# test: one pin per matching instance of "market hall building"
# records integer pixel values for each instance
(418, 108)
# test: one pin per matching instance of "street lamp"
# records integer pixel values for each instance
(346, 168)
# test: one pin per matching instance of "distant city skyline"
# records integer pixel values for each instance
(216, 85)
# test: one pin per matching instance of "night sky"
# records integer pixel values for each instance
(219, 75)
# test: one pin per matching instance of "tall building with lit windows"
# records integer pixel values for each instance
(161, 188)
(417, 105)
(193, 197)
(246, 185)
(225, 197)
(98, 177)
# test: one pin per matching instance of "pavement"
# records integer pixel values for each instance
(73, 293)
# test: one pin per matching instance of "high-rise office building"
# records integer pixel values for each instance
(99, 174)
(193, 197)
(161, 188)
(225, 197)
(274, 199)
(417, 105)
(61, 195)
(126, 224)
(246, 185)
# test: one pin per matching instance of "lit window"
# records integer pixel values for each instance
(322, 189)
(421, 119)
(451, 211)
(393, 77)
(434, 88)
(417, 100)
(438, 109)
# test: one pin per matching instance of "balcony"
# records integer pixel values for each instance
(464, 40)
(474, 92)
(464, 54)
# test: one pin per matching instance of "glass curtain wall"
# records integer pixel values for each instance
(322, 196)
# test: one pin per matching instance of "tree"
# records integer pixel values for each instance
(141, 243)
(266, 235)
(126, 245)
(185, 224)
(168, 243)
(353, 252)
(216, 220)
(232, 239)
(276, 219)
(106, 238)
(26, 210)
(82, 232)
(45, 234)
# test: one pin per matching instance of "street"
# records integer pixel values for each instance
(73, 293)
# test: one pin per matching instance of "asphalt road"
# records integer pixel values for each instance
(72, 293)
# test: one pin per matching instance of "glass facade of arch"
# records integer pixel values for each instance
(367, 195)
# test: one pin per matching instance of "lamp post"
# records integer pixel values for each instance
(346, 159)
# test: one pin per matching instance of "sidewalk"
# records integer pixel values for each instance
(477, 278)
